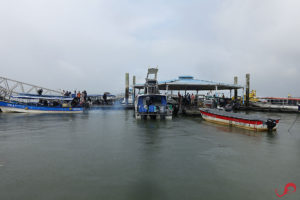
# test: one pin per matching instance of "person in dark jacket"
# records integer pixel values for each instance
(105, 98)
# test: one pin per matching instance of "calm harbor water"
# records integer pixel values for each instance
(109, 155)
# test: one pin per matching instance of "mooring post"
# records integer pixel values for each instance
(243, 95)
(235, 90)
(247, 89)
(133, 82)
(126, 87)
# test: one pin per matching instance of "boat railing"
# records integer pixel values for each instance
(39, 104)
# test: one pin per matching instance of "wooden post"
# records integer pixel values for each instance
(133, 82)
(243, 95)
(235, 90)
(126, 87)
(247, 89)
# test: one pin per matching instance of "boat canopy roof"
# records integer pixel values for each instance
(145, 95)
(100, 95)
(35, 96)
(190, 83)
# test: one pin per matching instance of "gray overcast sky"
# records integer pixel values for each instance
(90, 44)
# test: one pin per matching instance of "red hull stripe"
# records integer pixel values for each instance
(232, 119)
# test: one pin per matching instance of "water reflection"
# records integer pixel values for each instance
(127, 115)
(18, 123)
(147, 189)
(151, 124)
(232, 129)
(150, 135)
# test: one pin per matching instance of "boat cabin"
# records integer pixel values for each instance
(152, 104)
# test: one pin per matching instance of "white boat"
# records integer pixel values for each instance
(272, 106)
(152, 104)
(277, 103)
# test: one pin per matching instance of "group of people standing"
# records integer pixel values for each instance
(187, 99)
(81, 96)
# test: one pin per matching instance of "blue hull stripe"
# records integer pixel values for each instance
(42, 108)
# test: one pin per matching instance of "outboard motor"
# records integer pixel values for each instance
(271, 124)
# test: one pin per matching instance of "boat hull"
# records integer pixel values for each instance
(255, 125)
(275, 107)
(153, 116)
(17, 108)
(158, 111)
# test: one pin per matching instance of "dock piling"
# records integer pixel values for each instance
(247, 89)
(235, 90)
(126, 87)
(133, 82)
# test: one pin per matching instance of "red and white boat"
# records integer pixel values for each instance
(250, 122)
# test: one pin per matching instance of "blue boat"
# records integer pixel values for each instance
(28, 103)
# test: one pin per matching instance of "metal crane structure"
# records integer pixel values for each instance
(151, 85)
(9, 87)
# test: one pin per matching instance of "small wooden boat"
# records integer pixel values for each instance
(250, 122)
